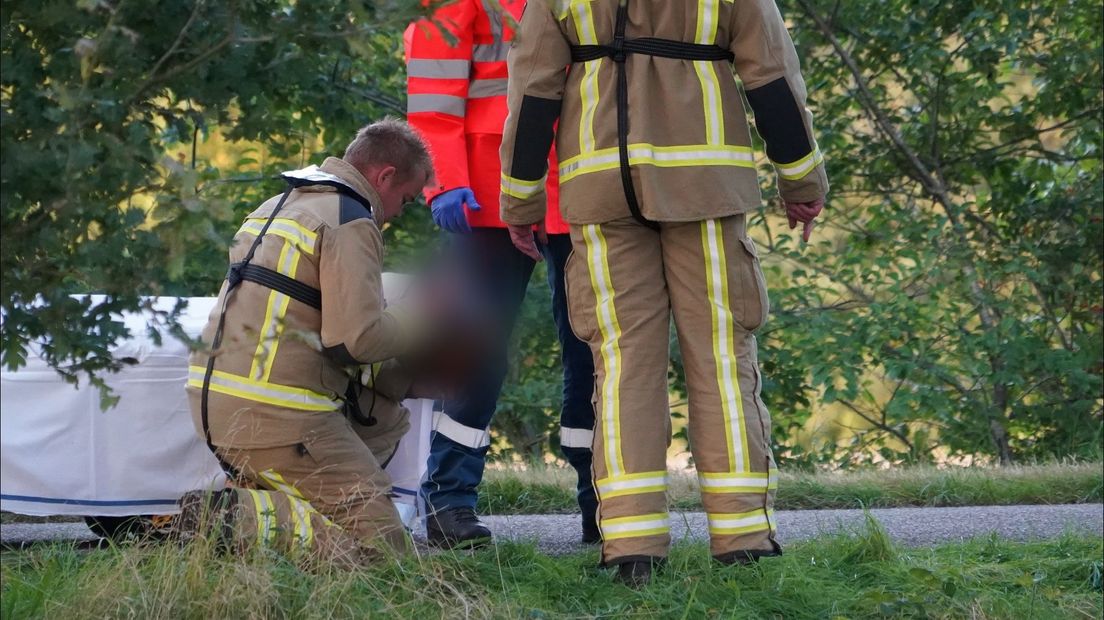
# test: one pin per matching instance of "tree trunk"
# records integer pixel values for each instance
(996, 425)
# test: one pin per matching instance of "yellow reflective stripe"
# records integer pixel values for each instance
(601, 283)
(706, 34)
(269, 341)
(280, 484)
(519, 188)
(800, 168)
(584, 21)
(588, 90)
(266, 515)
(262, 392)
(634, 527)
(562, 8)
(748, 482)
(659, 156)
(740, 522)
(632, 484)
(289, 229)
(301, 525)
(711, 102)
(724, 348)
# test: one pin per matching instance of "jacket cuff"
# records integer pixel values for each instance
(813, 186)
(523, 214)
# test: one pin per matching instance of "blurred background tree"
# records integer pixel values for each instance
(950, 306)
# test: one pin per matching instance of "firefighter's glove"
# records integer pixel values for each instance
(448, 209)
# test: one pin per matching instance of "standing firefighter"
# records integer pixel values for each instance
(456, 98)
(300, 395)
(657, 174)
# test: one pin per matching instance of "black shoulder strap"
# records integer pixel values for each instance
(233, 279)
(619, 51)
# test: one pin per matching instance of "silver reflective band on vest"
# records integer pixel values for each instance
(439, 69)
(494, 18)
(446, 104)
(487, 88)
(464, 435)
(576, 437)
(495, 52)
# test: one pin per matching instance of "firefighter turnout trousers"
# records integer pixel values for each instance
(624, 280)
(326, 497)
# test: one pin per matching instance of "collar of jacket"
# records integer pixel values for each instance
(334, 172)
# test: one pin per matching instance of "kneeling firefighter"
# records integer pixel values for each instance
(298, 389)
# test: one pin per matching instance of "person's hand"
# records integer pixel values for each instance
(806, 213)
(448, 209)
(522, 238)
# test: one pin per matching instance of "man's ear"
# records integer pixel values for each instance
(386, 174)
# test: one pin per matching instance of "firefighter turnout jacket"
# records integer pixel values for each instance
(456, 98)
(282, 363)
(687, 137)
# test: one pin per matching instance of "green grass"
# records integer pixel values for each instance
(857, 576)
(552, 489)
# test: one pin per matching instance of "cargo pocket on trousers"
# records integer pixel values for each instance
(580, 298)
(755, 303)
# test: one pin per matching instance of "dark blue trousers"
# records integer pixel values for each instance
(458, 447)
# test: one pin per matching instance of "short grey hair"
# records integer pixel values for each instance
(390, 142)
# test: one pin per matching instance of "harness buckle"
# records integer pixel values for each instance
(618, 49)
(234, 276)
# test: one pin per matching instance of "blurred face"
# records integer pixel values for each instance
(395, 191)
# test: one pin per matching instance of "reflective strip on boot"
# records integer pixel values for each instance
(464, 435)
(635, 527)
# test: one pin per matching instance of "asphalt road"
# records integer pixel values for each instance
(914, 527)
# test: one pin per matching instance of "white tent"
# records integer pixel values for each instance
(60, 454)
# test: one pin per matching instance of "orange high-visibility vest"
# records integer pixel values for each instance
(456, 98)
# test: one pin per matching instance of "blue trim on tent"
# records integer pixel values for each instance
(86, 502)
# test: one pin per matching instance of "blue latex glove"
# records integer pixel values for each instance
(448, 209)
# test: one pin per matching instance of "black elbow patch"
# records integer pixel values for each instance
(533, 141)
(340, 354)
(780, 121)
(352, 209)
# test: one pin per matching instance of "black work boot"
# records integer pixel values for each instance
(457, 528)
(205, 513)
(580, 459)
(637, 573)
(744, 557)
(589, 509)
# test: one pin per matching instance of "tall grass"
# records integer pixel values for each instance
(857, 576)
(544, 489)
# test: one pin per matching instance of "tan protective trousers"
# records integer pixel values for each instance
(327, 496)
(624, 281)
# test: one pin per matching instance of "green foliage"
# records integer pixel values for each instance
(951, 303)
(92, 98)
